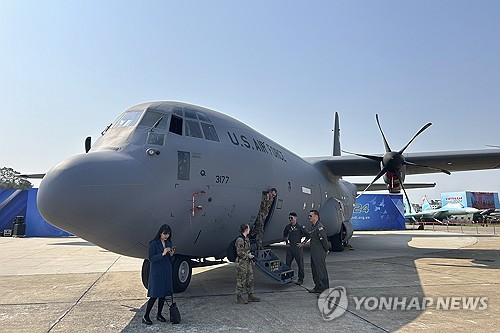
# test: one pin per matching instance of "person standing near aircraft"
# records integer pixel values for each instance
(244, 270)
(293, 234)
(160, 272)
(319, 248)
(265, 206)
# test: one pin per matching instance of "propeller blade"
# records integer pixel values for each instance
(87, 144)
(371, 157)
(32, 175)
(387, 148)
(426, 166)
(417, 134)
(380, 174)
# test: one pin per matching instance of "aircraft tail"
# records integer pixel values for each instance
(408, 209)
(336, 136)
(425, 204)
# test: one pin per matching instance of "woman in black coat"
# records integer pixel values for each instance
(160, 272)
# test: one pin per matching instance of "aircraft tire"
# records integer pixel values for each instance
(338, 241)
(181, 273)
(145, 273)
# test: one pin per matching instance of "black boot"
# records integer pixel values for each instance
(159, 317)
(146, 320)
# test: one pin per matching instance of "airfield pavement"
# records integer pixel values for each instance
(70, 285)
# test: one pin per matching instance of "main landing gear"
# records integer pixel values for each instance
(181, 273)
(338, 241)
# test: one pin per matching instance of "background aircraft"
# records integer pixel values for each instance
(450, 209)
(203, 173)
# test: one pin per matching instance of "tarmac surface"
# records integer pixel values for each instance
(70, 285)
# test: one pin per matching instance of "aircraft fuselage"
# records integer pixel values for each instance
(199, 171)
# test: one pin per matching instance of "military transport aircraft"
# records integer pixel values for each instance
(203, 173)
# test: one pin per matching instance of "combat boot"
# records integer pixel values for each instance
(253, 298)
(240, 300)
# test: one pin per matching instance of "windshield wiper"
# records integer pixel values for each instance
(156, 124)
(106, 129)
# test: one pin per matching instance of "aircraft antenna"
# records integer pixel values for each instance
(336, 135)
(88, 144)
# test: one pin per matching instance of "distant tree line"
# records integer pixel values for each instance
(10, 180)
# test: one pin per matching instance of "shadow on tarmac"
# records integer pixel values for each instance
(381, 266)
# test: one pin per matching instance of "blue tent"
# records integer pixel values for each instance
(36, 226)
(23, 203)
(12, 204)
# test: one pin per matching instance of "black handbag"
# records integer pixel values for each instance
(175, 315)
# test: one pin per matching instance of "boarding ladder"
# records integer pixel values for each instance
(271, 265)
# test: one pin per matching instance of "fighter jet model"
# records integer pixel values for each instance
(203, 173)
(450, 209)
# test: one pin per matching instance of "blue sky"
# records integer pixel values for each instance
(69, 68)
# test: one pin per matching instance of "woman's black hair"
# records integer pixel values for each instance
(164, 229)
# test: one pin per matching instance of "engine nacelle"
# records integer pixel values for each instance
(392, 181)
(332, 215)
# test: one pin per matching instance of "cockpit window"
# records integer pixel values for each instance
(177, 111)
(152, 118)
(195, 124)
(129, 118)
(176, 125)
(202, 117)
(193, 129)
(156, 138)
(209, 131)
(190, 113)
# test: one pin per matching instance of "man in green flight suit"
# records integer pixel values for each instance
(293, 234)
(319, 248)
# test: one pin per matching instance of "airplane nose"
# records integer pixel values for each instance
(98, 195)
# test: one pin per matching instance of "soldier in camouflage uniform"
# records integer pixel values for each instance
(265, 206)
(319, 248)
(244, 270)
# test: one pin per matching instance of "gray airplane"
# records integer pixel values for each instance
(203, 173)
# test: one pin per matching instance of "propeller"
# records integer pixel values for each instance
(393, 161)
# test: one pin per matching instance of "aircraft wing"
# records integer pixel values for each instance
(460, 160)
(383, 186)
(434, 214)
(440, 214)
(488, 211)
(417, 215)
